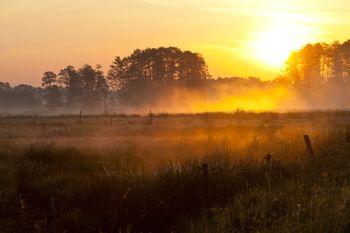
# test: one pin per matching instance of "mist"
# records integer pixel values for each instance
(169, 80)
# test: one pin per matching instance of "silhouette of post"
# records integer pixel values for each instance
(80, 116)
(268, 159)
(309, 146)
(150, 117)
(206, 118)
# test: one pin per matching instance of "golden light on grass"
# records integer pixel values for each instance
(254, 99)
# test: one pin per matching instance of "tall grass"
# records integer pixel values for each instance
(48, 187)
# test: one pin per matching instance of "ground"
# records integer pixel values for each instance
(240, 172)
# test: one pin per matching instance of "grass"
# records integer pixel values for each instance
(160, 186)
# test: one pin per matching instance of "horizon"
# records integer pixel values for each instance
(174, 116)
(235, 39)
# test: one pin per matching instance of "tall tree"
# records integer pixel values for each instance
(116, 75)
(49, 79)
(317, 65)
(71, 81)
(52, 93)
(150, 68)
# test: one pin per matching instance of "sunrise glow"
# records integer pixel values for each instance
(237, 38)
(273, 45)
(174, 116)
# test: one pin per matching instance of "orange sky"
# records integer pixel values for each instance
(237, 38)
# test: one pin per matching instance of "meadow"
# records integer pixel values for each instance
(210, 172)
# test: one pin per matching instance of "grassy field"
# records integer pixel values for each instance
(240, 172)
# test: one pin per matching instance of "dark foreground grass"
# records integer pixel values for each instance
(52, 189)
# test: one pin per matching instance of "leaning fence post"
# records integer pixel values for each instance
(309, 146)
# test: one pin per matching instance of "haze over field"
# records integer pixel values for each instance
(237, 38)
(168, 116)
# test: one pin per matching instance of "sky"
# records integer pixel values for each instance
(237, 38)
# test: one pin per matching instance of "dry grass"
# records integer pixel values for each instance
(61, 176)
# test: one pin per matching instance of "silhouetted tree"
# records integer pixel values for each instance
(52, 93)
(139, 77)
(71, 81)
(94, 85)
(27, 96)
(116, 75)
(317, 65)
(49, 79)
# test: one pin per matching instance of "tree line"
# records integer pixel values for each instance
(130, 80)
(147, 76)
(318, 65)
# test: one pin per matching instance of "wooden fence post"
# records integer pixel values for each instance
(150, 117)
(268, 158)
(206, 118)
(309, 146)
(111, 119)
(1, 119)
(80, 117)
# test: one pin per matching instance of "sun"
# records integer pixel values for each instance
(273, 45)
